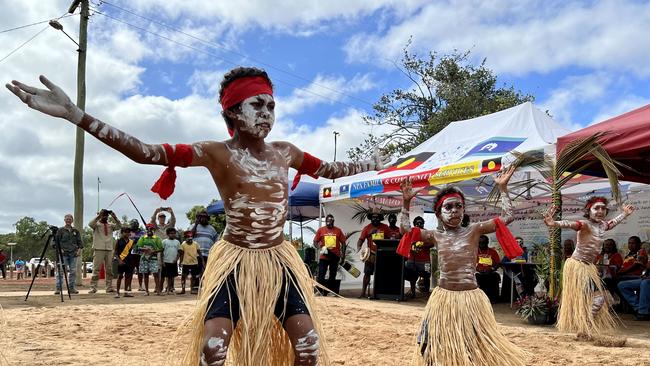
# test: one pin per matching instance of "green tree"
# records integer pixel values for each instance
(30, 238)
(217, 221)
(446, 88)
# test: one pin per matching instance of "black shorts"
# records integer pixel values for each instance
(226, 300)
(170, 270)
(125, 268)
(369, 268)
(192, 269)
(133, 260)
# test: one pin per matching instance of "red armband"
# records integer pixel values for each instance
(508, 243)
(309, 166)
(579, 224)
(181, 156)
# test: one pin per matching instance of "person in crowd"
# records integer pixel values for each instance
(134, 256)
(375, 230)
(123, 247)
(634, 262)
(3, 263)
(205, 235)
(568, 246)
(609, 262)
(637, 293)
(171, 246)
(418, 263)
(523, 277)
(487, 262)
(20, 268)
(331, 243)
(584, 305)
(149, 246)
(158, 220)
(189, 257)
(393, 230)
(69, 240)
(103, 244)
(458, 326)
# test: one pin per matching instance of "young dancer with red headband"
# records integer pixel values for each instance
(458, 327)
(584, 306)
(257, 284)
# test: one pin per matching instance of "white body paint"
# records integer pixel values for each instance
(452, 216)
(308, 345)
(258, 122)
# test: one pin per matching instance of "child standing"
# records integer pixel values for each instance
(149, 246)
(171, 245)
(123, 247)
(189, 257)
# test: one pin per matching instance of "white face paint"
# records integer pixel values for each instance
(451, 211)
(258, 115)
(598, 211)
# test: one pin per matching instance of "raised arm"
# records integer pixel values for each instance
(627, 211)
(501, 180)
(307, 164)
(408, 193)
(172, 217)
(56, 103)
(565, 224)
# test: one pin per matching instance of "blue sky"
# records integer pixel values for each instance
(583, 61)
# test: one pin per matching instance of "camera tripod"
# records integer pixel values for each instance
(59, 261)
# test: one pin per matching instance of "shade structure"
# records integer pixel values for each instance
(627, 141)
(303, 203)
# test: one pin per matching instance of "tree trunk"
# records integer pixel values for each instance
(555, 236)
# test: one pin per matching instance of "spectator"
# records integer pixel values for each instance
(331, 241)
(20, 268)
(610, 260)
(525, 279)
(69, 240)
(103, 244)
(418, 263)
(171, 246)
(375, 230)
(568, 246)
(3, 263)
(487, 262)
(134, 257)
(205, 235)
(189, 257)
(635, 260)
(123, 248)
(149, 246)
(637, 294)
(393, 229)
(160, 227)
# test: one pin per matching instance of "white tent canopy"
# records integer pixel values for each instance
(462, 151)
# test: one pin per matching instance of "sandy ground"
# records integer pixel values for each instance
(98, 329)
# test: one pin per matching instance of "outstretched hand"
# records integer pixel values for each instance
(549, 219)
(628, 210)
(380, 159)
(53, 101)
(407, 189)
(503, 177)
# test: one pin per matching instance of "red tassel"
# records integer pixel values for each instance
(308, 166)
(181, 156)
(165, 185)
(508, 243)
(404, 247)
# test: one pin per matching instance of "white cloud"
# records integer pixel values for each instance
(518, 37)
(624, 104)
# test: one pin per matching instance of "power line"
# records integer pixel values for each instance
(37, 23)
(24, 43)
(96, 11)
(217, 45)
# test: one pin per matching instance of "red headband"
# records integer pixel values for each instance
(243, 88)
(599, 199)
(448, 195)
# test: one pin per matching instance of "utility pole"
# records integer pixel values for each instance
(78, 180)
(98, 182)
(335, 136)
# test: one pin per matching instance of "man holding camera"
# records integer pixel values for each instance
(160, 227)
(69, 240)
(103, 244)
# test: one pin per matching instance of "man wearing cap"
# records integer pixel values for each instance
(69, 240)
(251, 176)
(204, 234)
(149, 246)
(375, 230)
(158, 220)
(103, 244)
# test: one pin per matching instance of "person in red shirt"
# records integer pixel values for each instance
(331, 241)
(393, 229)
(373, 231)
(610, 260)
(634, 262)
(487, 262)
(418, 263)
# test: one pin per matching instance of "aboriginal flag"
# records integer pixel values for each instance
(408, 162)
(491, 165)
(327, 192)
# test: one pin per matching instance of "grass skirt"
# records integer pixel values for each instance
(460, 330)
(580, 282)
(258, 338)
